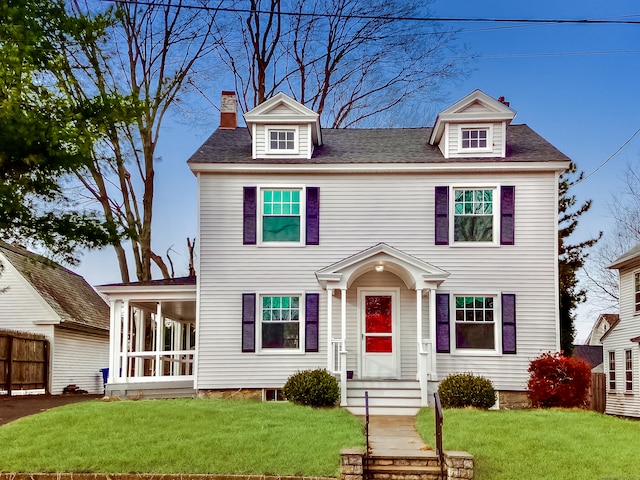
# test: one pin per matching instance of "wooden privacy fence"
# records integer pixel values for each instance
(598, 392)
(24, 361)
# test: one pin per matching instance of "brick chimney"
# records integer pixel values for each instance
(503, 101)
(228, 111)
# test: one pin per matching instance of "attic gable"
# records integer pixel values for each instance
(284, 110)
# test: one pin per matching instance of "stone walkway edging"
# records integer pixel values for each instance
(146, 476)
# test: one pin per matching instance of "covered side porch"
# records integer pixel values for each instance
(381, 324)
(152, 342)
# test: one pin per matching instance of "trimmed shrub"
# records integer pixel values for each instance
(461, 390)
(558, 381)
(315, 388)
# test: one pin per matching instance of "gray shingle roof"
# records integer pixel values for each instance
(626, 257)
(68, 294)
(382, 145)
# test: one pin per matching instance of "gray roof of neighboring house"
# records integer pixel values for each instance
(629, 256)
(163, 282)
(592, 354)
(67, 293)
(381, 145)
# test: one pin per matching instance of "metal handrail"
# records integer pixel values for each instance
(439, 421)
(366, 433)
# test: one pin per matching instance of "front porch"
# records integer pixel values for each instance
(153, 338)
(381, 326)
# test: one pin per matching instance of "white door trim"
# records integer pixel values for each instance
(394, 292)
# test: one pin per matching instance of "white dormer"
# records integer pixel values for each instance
(283, 128)
(475, 126)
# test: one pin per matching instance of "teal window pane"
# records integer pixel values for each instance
(286, 209)
(459, 302)
(286, 196)
(277, 209)
(266, 302)
(478, 195)
(277, 196)
(281, 229)
(286, 302)
(275, 302)
(295, 196)
(267, 195)
(468, 302)
(295, 209)
(295, 302)
(488, 196)
(479, 302)
(268, 209)
(266, 315)
(459, 195)
(468, 195)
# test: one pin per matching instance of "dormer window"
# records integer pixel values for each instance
(475, 139)
(282, 140)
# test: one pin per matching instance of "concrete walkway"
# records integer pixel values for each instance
(395, 435)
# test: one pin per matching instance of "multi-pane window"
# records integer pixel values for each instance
(473, 215)
(281, 218)
(637, 292)
(280, 321)
(282, 140)
(612, 370)
(475, 322)
(628, 370)
(474, 138)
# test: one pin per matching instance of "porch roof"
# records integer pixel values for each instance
(415, 273)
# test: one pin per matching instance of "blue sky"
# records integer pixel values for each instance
(576, 85)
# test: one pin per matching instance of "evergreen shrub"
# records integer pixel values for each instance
(315, 388)
(461, 390)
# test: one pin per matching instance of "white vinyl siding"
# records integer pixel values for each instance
(77, 360)
(303, 148)
(622, 401)
(359, 211)
(495, 139)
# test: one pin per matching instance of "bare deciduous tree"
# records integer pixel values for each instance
(348, 60)
(149, 63)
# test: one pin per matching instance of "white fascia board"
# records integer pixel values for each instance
(154, 293)
(444, 167)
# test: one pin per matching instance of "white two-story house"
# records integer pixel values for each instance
(621, 345)
(391, 257)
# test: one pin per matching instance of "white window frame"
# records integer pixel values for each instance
(628, 370)
(495, 241)
(303, 215)
(282, 128)
(611, 369)
(467, 127)
(301, 325)
(497, 325)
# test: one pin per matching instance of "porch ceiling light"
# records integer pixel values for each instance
(379, 268)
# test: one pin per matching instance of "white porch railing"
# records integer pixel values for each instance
(336, 347)
(425, 368)
(157, 365)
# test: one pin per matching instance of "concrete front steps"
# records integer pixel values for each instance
(384, 467)
(386, 397)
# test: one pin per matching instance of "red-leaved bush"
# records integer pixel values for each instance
(558, 381)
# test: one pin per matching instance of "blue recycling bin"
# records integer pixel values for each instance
(105, 377)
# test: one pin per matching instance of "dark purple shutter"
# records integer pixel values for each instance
(313, 216)
(507, 215)
(508, 323)
(442, 323)
(311, 321)
(249, 216)
(248, 322)
(442, 216)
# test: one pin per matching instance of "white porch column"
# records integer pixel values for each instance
(123, 371)
(433, 375)
(343, 349)
(330, 353)
(159, 338)
(115, 330)
(423, 356)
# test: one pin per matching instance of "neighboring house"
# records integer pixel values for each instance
(391, 257)
(621, 344)
(591, 351)
(604, 323)
(39, 296)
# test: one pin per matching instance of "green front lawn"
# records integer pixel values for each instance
(540, 444)
(181, 436)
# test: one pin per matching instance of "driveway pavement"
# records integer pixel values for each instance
(12, 408)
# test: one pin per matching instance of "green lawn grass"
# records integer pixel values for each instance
(181, 436)
(540, 444)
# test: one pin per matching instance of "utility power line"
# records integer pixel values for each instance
(584, 21)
